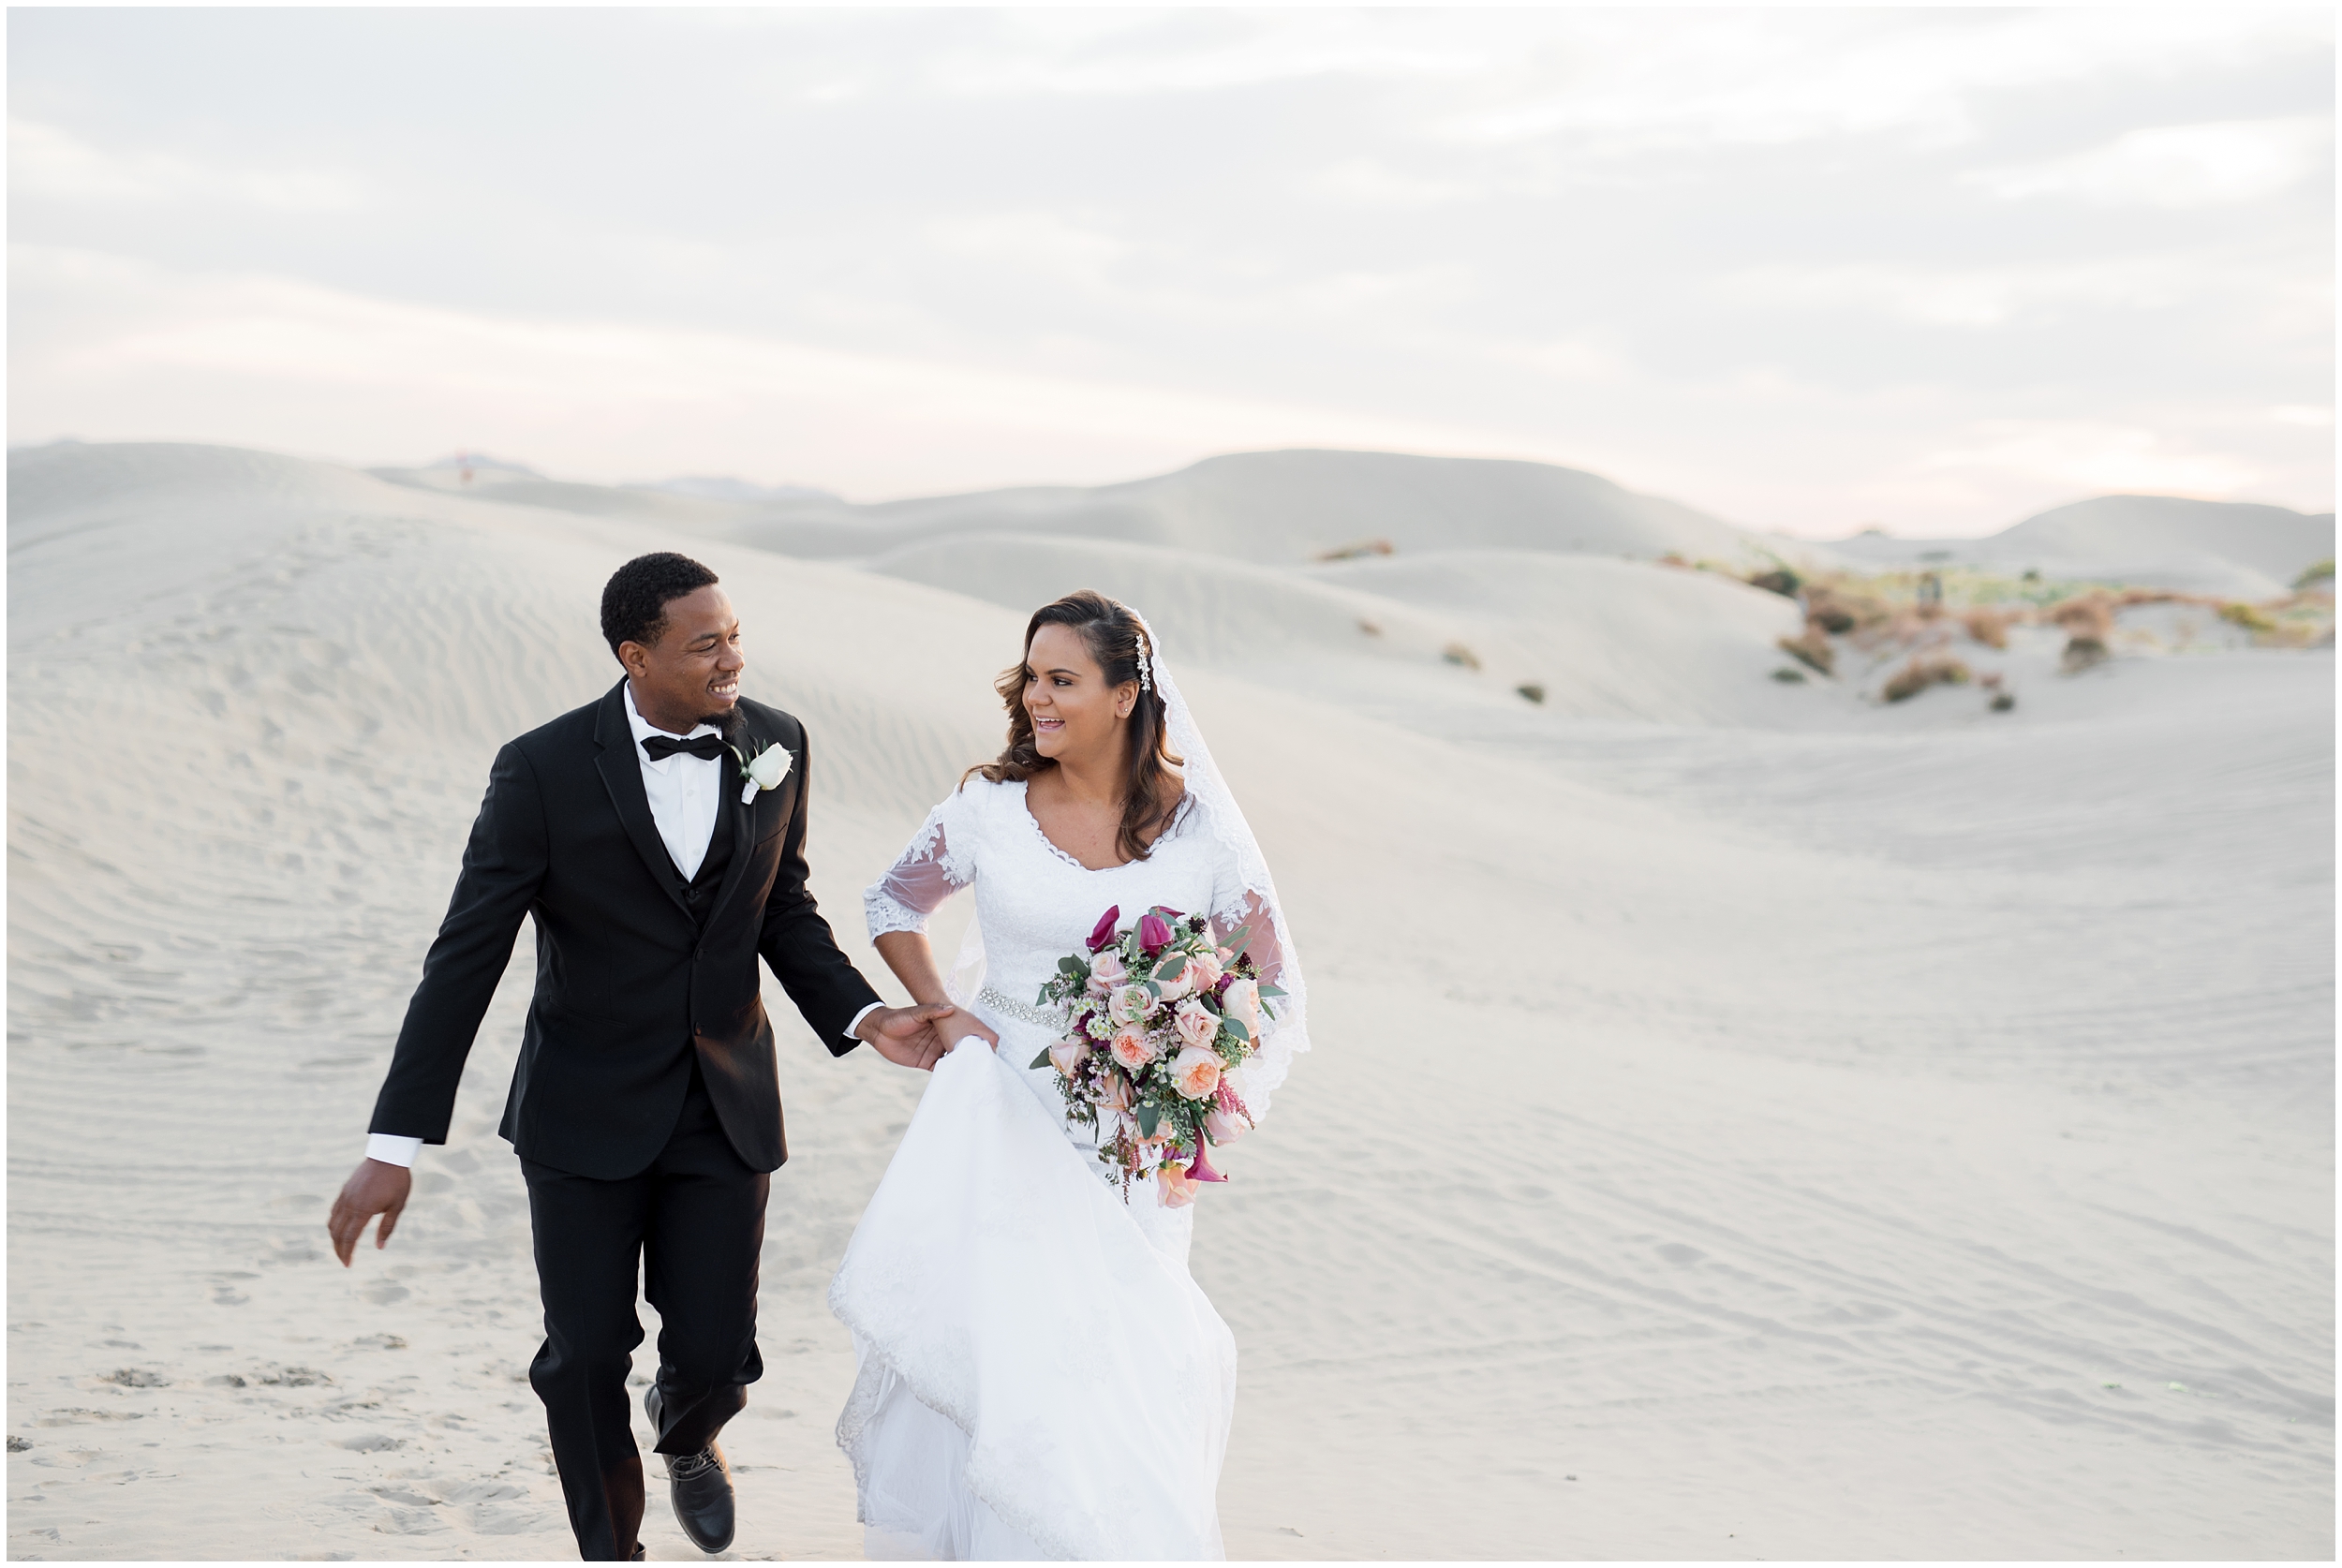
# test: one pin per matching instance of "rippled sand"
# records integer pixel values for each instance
(1738, 1129)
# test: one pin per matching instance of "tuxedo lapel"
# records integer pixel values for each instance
(743, 814)
(623, 777)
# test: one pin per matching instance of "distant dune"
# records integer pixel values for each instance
(2237, 549)
(1745, 1119)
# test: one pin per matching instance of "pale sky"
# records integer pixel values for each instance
(1808, 270)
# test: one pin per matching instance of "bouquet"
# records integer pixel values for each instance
(1156, 1017)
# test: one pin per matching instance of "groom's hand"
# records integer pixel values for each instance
(373, 1188)
(918, 1036)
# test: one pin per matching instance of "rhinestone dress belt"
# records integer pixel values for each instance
(1048, 1019)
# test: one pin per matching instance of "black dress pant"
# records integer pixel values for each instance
(694, 1224)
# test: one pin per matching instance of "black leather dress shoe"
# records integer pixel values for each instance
(700, 1487)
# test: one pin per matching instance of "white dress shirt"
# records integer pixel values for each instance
(684, 791)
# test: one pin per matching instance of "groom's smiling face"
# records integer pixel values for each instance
(689, 673)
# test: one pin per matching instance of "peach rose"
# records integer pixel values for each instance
(1196, 1023)
(1130, 1003)
(1112, 1092)
(1067, 1056)
(1195, 1073)
(1174, 988)
(1177, 1190)
(1132, 1049)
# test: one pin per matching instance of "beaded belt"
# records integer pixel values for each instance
(1048, 1019)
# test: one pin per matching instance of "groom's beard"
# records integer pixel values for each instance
(726, 723)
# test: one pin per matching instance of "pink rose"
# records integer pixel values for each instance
(1132, 1049)
(1178, 985)
(1242, 1002)
(1107, 971)
(1195, 1073)
(1067, 1056)
(1203, 972)
(1196, 1023)
(1113, 1091)
(1177, 1190)
(1224, 1125)
(1128, 1004)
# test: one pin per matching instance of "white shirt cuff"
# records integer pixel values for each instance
(391, 1150)
(858, 1018)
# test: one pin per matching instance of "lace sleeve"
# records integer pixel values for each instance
(940, 860)
(1242, 897)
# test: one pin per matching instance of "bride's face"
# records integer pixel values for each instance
(1075, 715)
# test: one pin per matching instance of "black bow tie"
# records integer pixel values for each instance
(705, 747)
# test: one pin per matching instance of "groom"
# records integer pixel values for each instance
(644, 1108)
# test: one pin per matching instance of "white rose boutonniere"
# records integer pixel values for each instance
(763, 770)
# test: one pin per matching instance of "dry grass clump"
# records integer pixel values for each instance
(2002, 702)
(1811, 648)
(1838, 611)
(1780, 580)
(1921, 673)
(1533, 690)
(2251, 617)
(2315, 573)
(1456, 652)
(2082, 652)
(1987, 625)
(2090, 614)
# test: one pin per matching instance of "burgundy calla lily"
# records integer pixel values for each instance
(1102, 934)
(1153, 935)
(1199, 1169)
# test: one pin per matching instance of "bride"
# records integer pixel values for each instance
(1039, 1375)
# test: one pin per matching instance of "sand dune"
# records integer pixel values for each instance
(2232, 548)
(1739, 1128)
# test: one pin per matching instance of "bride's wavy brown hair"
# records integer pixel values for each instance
(1151, 787)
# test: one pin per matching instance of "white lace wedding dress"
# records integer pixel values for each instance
(1040, 1377)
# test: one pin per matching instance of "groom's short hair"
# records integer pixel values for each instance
(634, 600)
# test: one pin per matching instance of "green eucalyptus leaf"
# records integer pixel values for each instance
(1269, 990)
(1236, 944)
(1150, 1115)
(1043, 1060)
(1169, 969)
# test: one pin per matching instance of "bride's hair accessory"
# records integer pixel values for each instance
(1146, 676)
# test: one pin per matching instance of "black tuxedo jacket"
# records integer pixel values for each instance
(630, 986)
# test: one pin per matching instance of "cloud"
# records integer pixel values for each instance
(121, 332)
(2086, 455)
(44, 161)
(1973, 297)
(2223, 163)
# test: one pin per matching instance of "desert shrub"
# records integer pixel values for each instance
(1533, 690)
(1838, 611)
(1988, 627)
(1780, 580)
(1788, 676)
(2002, 702)
(1831, 618)
(2315, 573)
(1370, 628)
(2251, 617)
(2084, 652)
(2084, 615)
(1921, 673)
(1456, 652)
(1811, 648)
